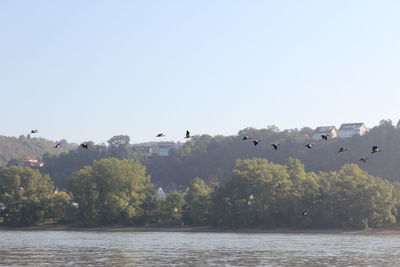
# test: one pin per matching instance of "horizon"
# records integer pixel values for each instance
(183, 140)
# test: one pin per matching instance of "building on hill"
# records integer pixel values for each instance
(348, 130)
(331, 131)
(27, 162)
(33, 163)
(162, 149)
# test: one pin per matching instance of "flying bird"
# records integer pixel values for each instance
(160, 135)
(187, 134)
(364, 159)
(246, 137)
(34, 131)
(85, 146)
(304, 213)
(255, 142)
(309, 146)
(275, 146)
(325, 136)
(58, 145)
(342, 149)
(375, 149)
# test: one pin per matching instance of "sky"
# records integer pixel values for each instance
(89, 70)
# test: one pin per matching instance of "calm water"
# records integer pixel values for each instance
(59, 248)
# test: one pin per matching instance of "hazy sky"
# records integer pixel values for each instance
(88, 70)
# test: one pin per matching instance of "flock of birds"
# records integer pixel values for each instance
(375, 149)
(58, 145)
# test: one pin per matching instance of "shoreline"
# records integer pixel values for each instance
(201, 229)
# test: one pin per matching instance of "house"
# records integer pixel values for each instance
(348, 130)
(33, 163)
(161, 149)
(331, 131)
(142, 150)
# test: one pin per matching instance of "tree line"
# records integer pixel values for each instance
(213, 157)
(258, 193)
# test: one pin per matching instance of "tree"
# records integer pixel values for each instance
(25, 193)
(170, 209)
(110, 191)
(198, 202)
(119, 147)
(60, 209)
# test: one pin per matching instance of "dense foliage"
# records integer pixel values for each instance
(28, 197)
(259, 194)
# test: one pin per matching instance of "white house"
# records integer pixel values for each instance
(348, 130)
(161, 149)
(331, 131)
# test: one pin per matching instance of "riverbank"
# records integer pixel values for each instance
(203, 229)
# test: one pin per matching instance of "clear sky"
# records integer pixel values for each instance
(88, 70)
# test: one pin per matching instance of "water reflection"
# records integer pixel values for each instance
(195, 249)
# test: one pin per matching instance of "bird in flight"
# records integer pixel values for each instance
(325, 136)
(187, 134)
(34, 131)
(375, 149)
(84, 145)
(275, 146)
(304, 213)
(58, 145)
(342, 149)
(255, 142)
(309, 146)
(364, 159)
(246, 137)
(160, 135)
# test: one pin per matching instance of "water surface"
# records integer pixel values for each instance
(85, 248)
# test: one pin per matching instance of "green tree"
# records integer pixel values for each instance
(25, 193)
(170, 209)
(199, 202)
(60, 208)
(110, 191)
(119, 147)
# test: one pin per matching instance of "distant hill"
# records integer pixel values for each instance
(26, 146)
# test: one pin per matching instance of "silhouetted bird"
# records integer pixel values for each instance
(187, 134)
(246, 137)
(364, 159)
(58, 145)
(275, 146)
(304, 213)
(160, 135)
(85, 146)
(34, 131)
(309, 146)
(375, 149)
(342, 149)
(255, 142)
(325, 136)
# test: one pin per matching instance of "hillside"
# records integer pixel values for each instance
(23, 147)
(212, 158)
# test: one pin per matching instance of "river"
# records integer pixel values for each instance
(87, 248)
